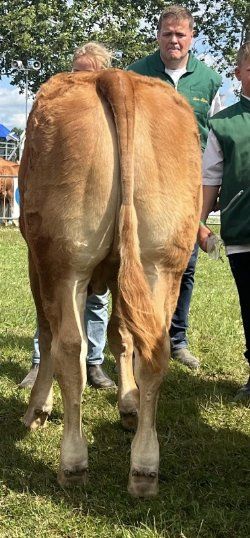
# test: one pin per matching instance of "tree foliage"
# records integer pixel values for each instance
(49, 31)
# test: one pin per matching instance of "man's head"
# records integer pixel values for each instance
(91, 57)
(174, 36)
(242, 70)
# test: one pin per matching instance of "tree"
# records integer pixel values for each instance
(35, 29)
(49, 30)
(17, 130)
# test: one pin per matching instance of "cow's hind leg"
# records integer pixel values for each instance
(69, 350)
(41, 398)
(121, 345)
(143, 478)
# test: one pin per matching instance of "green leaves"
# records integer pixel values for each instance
(50, 31)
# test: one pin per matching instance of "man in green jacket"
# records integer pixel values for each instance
(226, 171)
(176, 65)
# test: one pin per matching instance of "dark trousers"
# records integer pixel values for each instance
(178, 329)
(240, 267)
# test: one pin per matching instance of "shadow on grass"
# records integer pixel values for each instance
(18, 468)
(10, 367)
(15, 341)
(12, 370)
(202, 468)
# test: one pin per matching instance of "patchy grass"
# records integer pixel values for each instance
(204, 438)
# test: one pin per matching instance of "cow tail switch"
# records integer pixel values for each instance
(135, 295)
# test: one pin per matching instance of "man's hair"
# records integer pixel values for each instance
(97, 52)
(243, 53)
(179, 13)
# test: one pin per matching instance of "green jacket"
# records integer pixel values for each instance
(199, 85)
(231, 127)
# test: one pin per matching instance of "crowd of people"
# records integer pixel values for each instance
(226, 174)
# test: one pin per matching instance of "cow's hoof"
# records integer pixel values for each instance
(35, 418)
(143, 484)
(129, 421)
(77, 476)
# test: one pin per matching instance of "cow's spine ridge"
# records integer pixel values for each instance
(134, 291)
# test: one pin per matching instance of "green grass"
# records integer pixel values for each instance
(204, 438)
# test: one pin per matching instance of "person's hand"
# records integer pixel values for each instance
(203, 233)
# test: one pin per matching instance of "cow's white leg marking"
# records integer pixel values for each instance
(69, 350)
(41, 398)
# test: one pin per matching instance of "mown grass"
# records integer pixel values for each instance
(204, 438)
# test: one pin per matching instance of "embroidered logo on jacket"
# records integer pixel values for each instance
(200, 99)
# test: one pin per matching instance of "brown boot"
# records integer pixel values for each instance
(184, 356)
(97, 378)
(243, 393)
(29, 380)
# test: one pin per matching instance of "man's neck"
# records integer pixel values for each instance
(176, 64)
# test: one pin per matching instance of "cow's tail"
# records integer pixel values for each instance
(134, 291)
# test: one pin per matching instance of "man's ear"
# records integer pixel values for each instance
(237, 73)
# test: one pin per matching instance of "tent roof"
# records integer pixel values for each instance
(3, 131)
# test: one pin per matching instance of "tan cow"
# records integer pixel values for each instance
(110, 191)
(8, 170)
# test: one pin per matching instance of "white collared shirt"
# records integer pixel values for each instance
(212, 172)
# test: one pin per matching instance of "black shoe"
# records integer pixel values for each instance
(29, 381)
(184, 356)
(243, 393)
(97, 378)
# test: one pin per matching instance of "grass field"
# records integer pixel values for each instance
(204, 437)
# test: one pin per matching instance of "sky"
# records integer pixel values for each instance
(12, 103)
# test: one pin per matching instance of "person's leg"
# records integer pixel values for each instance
(36, 351)
(30, 378)
(96, 321)
(179, 325)
(240, 267)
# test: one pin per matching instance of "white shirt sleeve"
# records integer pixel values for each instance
(216, 105)
(212, 166)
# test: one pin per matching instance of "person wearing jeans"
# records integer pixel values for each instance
(179, 325)
(96, 321)
(176, 65)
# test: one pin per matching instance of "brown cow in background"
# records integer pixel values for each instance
(110, 187)
(8, 169)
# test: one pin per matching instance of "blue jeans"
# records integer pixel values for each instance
(96, 321)
(179, 325)
(36, 351)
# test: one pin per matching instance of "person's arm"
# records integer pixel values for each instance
(210, 193)
(212, 177)
(216, 105)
